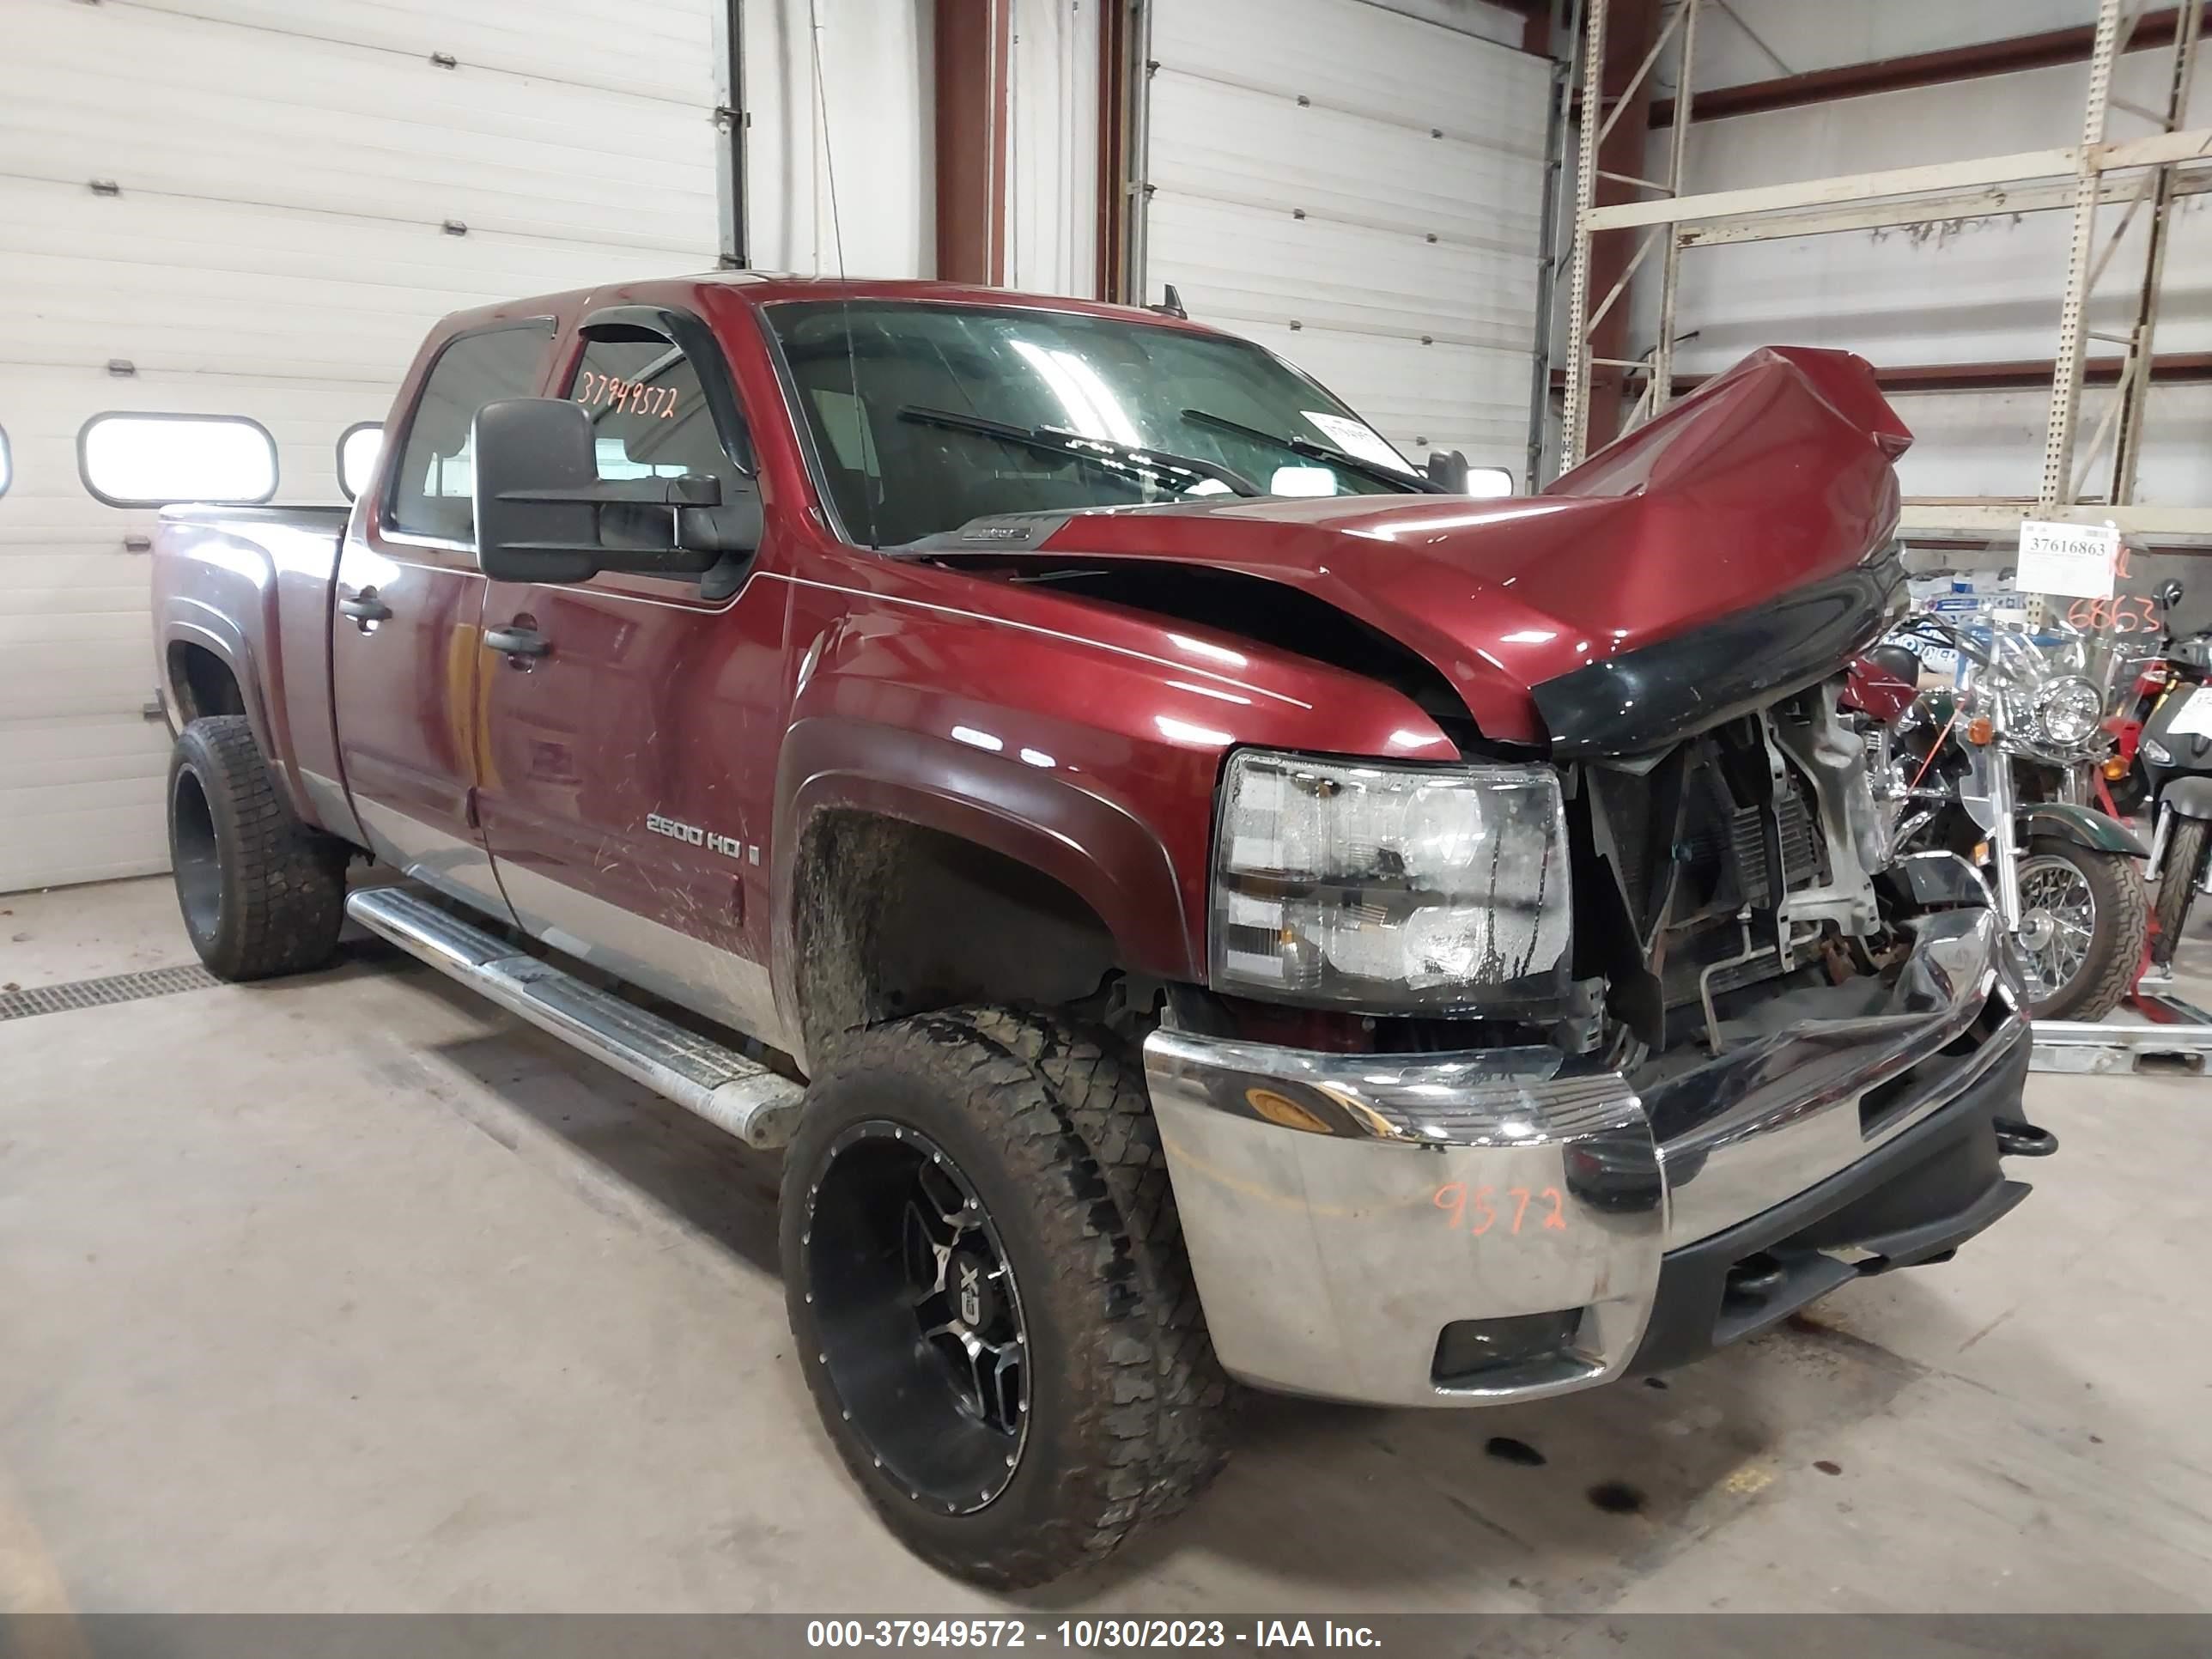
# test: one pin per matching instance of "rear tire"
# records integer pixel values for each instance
(261, 893)
(1038, 1135)
(2177, 884)
(2120, 923)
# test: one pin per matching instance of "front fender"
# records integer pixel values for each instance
(1092, 846)
(2190, 797)
(2083, 825)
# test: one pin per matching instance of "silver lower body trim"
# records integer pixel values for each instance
(734, 1093)
(709, 980)
(458, 868)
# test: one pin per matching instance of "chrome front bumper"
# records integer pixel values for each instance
(1467, 1228)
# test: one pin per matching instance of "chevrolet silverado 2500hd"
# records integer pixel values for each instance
(1195, 903)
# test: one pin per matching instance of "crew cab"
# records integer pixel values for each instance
(1195, 904)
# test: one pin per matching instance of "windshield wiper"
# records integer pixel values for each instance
(1099, 451)
(1380, 471)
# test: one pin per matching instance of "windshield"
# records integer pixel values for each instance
(878, 381)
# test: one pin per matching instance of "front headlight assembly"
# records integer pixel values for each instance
(1393, 890)
(2067, 711)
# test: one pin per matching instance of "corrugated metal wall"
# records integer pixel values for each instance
(301, 188)
(1359, 190)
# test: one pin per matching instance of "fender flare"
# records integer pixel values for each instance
(216, 634)
(2081, 825)
(1092, 846)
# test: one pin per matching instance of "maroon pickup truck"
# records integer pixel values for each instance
(1196, 903)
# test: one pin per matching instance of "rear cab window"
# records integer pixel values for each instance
(433, 484)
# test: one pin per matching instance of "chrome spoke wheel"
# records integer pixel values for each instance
(920, 1316)
(2057, 923)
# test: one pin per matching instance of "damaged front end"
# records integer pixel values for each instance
(1741, 855)
(1763, 1057)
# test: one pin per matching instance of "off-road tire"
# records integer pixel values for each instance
(2115, 954)
(2177, 884)
(1128, 1407)
(261, 893)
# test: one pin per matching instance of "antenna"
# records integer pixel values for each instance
(861, 434)
(829, 149)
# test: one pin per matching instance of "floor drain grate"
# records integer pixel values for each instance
(98, 993)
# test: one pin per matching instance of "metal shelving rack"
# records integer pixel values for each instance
(2150, 170)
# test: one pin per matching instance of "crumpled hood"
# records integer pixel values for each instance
(1771, 478)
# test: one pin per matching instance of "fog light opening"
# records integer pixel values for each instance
(1516, 1352)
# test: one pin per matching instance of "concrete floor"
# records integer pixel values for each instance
(349, 1292)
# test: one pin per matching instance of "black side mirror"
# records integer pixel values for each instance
(543, 514)
(2169, 593)
(1449, 469)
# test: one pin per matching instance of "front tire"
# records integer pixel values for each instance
(995, 1315)
(261, 893)
(2177, 883)
(2098, 918)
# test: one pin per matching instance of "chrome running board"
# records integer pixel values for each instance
(699, 1075)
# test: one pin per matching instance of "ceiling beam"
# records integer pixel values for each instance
(1920, 69)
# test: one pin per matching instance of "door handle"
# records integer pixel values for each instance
(365, 608)
(517, 642)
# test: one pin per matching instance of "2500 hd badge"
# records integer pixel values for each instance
(728, 846)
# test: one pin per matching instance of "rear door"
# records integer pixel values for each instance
(406, 665)
(628, 768)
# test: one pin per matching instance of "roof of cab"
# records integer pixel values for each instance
(770, 288)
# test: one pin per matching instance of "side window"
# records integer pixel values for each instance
(649, 418)
(434, 484)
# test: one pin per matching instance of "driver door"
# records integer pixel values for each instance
(632, 721)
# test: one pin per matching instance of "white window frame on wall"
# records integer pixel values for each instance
(349, 486)
(86, 441)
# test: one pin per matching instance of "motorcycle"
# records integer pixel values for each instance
(1999, 770)
(2174, 754)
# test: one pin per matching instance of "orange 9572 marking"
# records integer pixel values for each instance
(1478, 1209)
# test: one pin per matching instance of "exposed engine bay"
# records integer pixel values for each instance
(1718, 874)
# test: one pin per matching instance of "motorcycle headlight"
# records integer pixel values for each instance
(1391, 889)
(2067, 711)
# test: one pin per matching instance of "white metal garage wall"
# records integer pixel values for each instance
(1359, 191)
(300, 188)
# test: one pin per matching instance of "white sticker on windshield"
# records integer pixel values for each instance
(2073, 559)
(1357, 438)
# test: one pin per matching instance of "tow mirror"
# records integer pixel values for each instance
(1451, 471)
(1448, 468)
(2169, 593)
(543, 514)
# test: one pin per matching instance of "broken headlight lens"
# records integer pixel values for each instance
(1391, 889)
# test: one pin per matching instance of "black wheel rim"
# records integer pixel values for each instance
(193, 855)
(918, 1316)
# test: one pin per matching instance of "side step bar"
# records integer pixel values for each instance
(721, 1086)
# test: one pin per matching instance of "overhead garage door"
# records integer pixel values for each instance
(1360, 192)
(255, 207)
